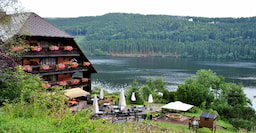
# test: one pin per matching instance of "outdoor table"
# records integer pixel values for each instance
(73, 102)
(138, 110)
(139, 106)
(116, 111)
(106, 104)
(115, 107)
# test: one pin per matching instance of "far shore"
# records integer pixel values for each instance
(142, 55)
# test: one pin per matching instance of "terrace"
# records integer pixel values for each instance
(47, 52)
(55, 69)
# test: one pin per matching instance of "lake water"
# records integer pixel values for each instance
(115, 73)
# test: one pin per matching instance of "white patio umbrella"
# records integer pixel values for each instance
(101, 94)
(133, 98)
(122, 102)
(178, 105)
(95, 105)
(150, 98)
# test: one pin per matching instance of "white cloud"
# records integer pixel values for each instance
(206, 8)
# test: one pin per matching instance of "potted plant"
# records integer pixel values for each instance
(61, 66)
(86, 64)
(45, 67)
(68, 48)
(62, 83)
(75, 81)
(84, 80)
(36, 48)
(53, 47)
(48, 85)
(74, 64)
(28, 68)
(16, 48)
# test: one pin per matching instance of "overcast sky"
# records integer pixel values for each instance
(201, 8)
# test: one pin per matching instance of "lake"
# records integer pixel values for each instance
(115, 73)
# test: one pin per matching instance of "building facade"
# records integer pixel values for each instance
(53, 53)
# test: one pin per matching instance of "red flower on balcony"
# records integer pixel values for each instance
(48, 85)
(69, 48)
(62, 83)
(53, 48)
(28, 68)
(61, 66)
(84, 80)
(36, 48)
(86, 64)
(75, 81)
(74, 64)
(45, 67)
(16, 48)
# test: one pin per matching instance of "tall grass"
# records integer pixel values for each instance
(46, 112)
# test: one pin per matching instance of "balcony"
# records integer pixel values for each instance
(46, 52)
(53, 69)
(70, 83)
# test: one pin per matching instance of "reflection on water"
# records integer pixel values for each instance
(115, 73)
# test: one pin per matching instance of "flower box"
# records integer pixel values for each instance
(68, 48)
(45, 67)
(36, 48)
(86, 64)
(16, 48)
(48, 85)
(75, 81)
(74, 64)
(52, 48)
(60, 66)
(62, 83)
(28, 68)
(84, 80)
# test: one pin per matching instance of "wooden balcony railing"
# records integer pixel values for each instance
(70, 84)
(45, 52)
(36, 69)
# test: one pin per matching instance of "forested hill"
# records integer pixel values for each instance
(160, 35)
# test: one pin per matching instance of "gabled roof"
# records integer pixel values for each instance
(208, 115)
(37, 26)
(30, 24)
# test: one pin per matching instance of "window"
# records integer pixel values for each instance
(48, 61)
(33, 44)
(50, 78)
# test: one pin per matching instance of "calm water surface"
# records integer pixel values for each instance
(115, 73)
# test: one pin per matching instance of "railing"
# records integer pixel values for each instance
(70, 84)
(45, 52)
(36, 69)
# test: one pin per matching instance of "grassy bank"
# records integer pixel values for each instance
(80, 122)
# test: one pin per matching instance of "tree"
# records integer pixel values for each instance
(10, 74)
(136, 90)
(159, 85)
(193, 92)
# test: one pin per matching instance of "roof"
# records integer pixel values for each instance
(178, 105)
(76, 92)
(37, 26)
(208, 115)
(30, 24)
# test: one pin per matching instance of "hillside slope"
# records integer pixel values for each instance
(195, 37)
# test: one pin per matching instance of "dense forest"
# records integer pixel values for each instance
(162, 35)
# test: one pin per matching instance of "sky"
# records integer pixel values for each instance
(199, 8)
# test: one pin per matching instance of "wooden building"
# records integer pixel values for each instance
(53, 53)
(208, 120)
